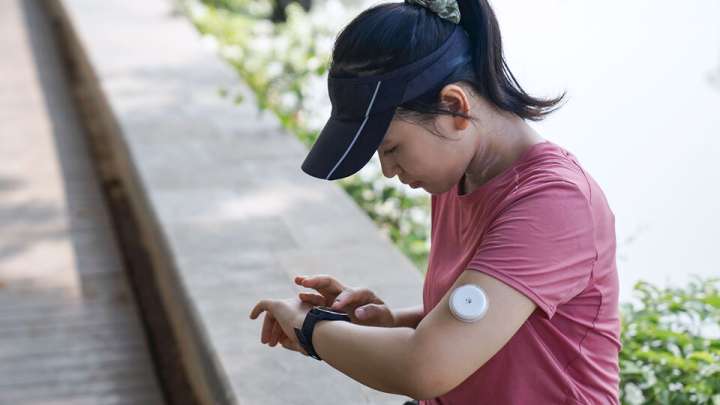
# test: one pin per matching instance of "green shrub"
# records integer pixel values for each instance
(671, 345)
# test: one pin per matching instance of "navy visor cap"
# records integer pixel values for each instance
(363, 107)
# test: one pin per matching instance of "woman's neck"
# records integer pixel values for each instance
(502, 150)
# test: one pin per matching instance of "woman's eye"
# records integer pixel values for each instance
(391, 150)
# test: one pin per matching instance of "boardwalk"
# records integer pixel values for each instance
(69, 328)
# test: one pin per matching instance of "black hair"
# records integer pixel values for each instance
(390, 35)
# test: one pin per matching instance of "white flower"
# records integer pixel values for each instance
(650, 378)
(197, 10)
(259, 7)
(633, 394)
(675, 386)
(273, 69)
(418, 215)
(288, 101)
(261, 45)
(282, 44)
(324, 44)
(316, 103)
(263, 27)
(313, 63)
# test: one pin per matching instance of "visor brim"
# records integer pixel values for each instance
(345, 146)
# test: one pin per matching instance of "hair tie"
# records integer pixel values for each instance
(447, 9)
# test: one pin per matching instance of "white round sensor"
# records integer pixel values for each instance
(468, 303)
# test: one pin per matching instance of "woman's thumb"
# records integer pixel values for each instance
(365, 312)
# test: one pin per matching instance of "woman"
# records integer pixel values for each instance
(514, 216)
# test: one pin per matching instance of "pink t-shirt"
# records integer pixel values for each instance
(543, 227)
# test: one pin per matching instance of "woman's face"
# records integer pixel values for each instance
(415, 154)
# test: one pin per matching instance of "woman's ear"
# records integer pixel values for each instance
(456, 100)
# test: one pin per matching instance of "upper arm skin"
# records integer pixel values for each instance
(450, 350)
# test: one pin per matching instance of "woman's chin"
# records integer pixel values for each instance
(435, 191)
(429, 189)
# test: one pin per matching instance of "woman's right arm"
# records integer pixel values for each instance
(408, 317)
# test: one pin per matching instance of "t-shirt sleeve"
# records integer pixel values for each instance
(541, 244)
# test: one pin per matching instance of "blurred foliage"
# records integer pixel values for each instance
(668, 356)
(671, 344)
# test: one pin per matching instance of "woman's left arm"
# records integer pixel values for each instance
(381, 358)
(431, 360)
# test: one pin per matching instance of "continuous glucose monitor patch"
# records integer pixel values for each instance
(468, 303)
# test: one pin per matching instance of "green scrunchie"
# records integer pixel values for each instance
(447, 9)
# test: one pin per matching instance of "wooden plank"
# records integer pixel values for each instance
(69, 328)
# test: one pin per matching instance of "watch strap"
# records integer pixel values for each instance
(313, 316)
(305, 345)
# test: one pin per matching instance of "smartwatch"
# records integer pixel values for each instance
(316, 314)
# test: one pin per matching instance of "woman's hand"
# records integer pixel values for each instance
(280, 320)
(362, 305)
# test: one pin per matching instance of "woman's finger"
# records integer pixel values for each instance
(312, 298)
(258, 309)
(354, 298)
(322, 282)
(327, 286)
(374, 314)
(342, 299)
(267, 327)
(276, 334)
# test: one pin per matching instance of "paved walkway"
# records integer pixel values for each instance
(69, 331)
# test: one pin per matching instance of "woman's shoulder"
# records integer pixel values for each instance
(550, 165)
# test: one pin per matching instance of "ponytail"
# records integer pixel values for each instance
(495, 81)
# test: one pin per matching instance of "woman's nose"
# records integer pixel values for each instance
(389, 169)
